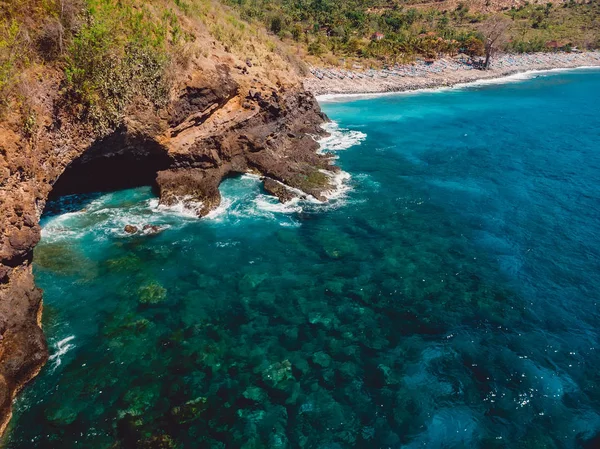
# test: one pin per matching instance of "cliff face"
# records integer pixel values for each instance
(225, 116)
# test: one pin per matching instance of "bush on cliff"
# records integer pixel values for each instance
(114, 54)
(118, 52)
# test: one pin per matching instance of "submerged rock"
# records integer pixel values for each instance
(387, 374)
(255, 394)
(251, 280)
(140, 399)
(129, 262)
(152, 229)
(254, 416)
(190, 411)
(62, 416)
(322, 359)
(278, 373)
(152, 293)
(157, 442)
(62, 258)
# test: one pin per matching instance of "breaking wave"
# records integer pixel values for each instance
(61, 348)
(339, 138)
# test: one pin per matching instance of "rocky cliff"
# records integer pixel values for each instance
(226, 115)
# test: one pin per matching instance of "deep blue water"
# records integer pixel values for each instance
(447, 299)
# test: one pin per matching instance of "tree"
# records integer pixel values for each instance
(474, 46)
(315, 48)
(297, 32)
(276, 24)
(495, 32)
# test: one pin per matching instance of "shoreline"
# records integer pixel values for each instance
(443, 73)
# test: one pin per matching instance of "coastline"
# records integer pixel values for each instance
(443, 73)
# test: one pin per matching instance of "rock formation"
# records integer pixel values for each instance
(224, 117)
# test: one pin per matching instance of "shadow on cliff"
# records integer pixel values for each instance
(118, 161)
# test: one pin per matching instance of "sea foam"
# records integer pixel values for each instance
(61, 348)
(339, 138)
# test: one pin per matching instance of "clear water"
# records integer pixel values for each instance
(447, 299)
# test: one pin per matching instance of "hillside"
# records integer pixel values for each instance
(342, 33)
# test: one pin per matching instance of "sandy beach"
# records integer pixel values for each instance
(442, 72)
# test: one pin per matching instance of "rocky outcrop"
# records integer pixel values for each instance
(218, 123)
(279, 190)
(271, 135)
(130, 229)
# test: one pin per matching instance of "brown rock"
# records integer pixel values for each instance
(23, 349)
(24, 239)
(4, 272)
(197, 189)
(152, 229)
(278, 189)
(130, 229)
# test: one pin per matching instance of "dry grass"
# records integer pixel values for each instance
(113, 50)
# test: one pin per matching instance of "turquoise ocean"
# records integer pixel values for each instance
(445, 297)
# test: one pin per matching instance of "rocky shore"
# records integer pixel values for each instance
(225, 116)
(441, 73)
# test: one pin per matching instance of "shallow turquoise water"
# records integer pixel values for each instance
(448, 299)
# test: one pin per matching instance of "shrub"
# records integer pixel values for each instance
(474, 46)
(522, 46)
(276, 25)
(12, 53)
(117, 54)
(297, 32)
(315, 49)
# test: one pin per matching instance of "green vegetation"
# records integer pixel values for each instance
(109, 50)
(313, 180)
(570, 25)
(342, 31)
(118, 52)
(9, 39)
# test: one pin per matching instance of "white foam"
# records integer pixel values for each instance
(266, 203)
(507, 79)
(220, 211)
(107, 219)
(185, 206)
(343, 98)
(58, 227)
(340, 182)
(339, 138)
(250, 177)
(62, 347)
(117, 219)
(226, 244)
